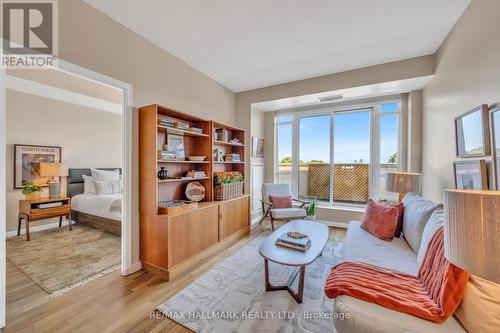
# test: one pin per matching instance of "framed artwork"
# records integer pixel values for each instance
(25, 155)
(470, 175)
(495, 144)
(175, 145)
(257, 147)
(472, 133)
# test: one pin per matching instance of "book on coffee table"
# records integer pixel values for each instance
(300, 244)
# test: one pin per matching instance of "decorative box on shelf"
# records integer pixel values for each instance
(176, 206)
(228, 190)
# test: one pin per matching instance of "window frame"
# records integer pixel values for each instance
(374, 107)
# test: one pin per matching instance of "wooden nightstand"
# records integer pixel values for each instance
(30, 210)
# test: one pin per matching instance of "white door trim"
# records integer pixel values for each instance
(3, 191)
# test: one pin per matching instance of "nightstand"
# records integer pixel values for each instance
(35, 210)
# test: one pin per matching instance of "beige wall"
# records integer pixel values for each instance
(88, 137)
(467, 75)
(92, 40)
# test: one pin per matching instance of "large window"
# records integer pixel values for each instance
(338, 156)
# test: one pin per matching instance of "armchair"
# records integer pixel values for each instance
(296, 212)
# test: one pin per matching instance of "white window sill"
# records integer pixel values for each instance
(347, 207)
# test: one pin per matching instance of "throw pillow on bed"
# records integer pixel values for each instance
(380, 219)
(105, 175)
(88, 185)
(110, 187)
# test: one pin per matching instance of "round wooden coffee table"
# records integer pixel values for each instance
(318, 234)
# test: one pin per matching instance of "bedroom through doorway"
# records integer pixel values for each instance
(65, 180)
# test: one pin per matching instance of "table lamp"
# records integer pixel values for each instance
(402, 183)
(54, 171)
(472, 232)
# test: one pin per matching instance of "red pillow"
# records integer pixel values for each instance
(399, 226)
(380, 219)
(281, 201)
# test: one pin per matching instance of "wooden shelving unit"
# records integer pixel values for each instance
(171, 243)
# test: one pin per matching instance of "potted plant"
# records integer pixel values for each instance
(311, 211)
(32, 191)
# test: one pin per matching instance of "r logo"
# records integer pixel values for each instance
(27, 27)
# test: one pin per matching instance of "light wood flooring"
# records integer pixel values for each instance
(110, 304)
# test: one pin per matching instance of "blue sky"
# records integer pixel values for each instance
(351, 137)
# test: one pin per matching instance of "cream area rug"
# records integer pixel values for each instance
(59, 260)
(231, 296)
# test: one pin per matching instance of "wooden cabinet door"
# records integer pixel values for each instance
(191, 233)
(233, 216)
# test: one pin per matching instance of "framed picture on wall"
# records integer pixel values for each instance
(470, 175)
(257, 147)
(25, 155)
(495, 144)
(472, 133)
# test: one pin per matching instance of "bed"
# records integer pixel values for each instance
(96, 211)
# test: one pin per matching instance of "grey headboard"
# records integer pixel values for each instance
(75, 179)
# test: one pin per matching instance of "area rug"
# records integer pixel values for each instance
(231, 296)
(59, 260)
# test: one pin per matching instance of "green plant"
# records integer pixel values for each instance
(311, 209)
(30, 187)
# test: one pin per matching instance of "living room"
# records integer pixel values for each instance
(369, 127)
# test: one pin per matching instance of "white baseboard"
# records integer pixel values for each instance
(132, 269)
(37, 228)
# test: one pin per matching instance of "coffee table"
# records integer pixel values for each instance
(318, 234)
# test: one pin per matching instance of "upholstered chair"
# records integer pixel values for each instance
(296, 212)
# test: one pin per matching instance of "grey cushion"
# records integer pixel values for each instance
(417, 212)
(285, 213)
(361, 246)
(435, 222)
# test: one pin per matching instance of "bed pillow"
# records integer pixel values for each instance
(435, 222)
(110, 187)
(88, 185)
(380, 219)
(105, 175)
(417, 212)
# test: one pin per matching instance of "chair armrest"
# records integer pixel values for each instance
(303, 203)
(267, 202)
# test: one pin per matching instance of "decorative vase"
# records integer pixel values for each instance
(33, 195)
(311, 217)
(163, 173)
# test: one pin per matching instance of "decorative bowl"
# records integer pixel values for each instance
(196, 158)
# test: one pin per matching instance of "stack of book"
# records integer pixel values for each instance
(166, 122)
(165, 155)
(299, 244)
(233, 158)
(182, 125)
(222, 134)
(196, 130)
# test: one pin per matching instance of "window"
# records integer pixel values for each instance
(284, 149)
(338, 156)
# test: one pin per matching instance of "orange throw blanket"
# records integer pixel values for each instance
(433, 295)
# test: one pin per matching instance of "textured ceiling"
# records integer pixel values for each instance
(246, 44)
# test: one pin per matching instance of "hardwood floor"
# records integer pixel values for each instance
(110, 304)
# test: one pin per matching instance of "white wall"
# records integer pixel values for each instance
(88, 137)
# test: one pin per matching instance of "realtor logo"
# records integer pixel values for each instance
(29, 33)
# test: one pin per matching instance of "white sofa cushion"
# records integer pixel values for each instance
(361, 246)
(417, 212)
(365, 317)
(285, 213)
(435, 222)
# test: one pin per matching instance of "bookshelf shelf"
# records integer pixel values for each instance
(175, 180)
(224, 143)
(177, 131)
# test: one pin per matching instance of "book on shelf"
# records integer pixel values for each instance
(50, 205)
(300, 244)
(196, 130)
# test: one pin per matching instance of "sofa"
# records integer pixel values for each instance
(404, 254)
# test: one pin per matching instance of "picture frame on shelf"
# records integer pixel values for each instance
(175, 144)
(257, 147)
(472, 133)
(26, 155)
(470, 175)
(495, 145)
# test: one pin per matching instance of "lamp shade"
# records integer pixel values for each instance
(46, 169)
(403, 182)
(472, 232)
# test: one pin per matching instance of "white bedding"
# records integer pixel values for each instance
(98, 205)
